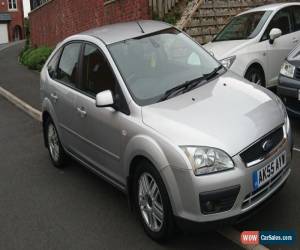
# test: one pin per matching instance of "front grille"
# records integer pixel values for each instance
(264, 190)
(297, 74)
(257, 151)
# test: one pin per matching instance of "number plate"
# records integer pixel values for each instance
(263, 175)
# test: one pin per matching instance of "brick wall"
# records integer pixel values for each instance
(57, 19)
(17, 18)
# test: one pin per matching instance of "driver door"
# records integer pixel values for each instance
(98, 129)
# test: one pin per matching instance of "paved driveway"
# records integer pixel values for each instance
(18, 79)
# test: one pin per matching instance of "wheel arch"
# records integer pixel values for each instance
(256, 64)
(48, 113)
(138, 149)
(45, 118)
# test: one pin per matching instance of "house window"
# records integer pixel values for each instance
(12, 4)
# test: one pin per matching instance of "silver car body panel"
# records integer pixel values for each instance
(122, 31)
(210, 115)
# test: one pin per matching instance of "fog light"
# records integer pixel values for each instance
(209, 205)
(219, 200)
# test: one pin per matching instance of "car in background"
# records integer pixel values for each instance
(255, 43)
(289, 82)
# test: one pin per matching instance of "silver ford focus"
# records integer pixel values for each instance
(149, 110)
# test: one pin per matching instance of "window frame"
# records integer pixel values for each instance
(58, 55)
(290, 11)
(61, 51)
(121, 103)
(13, 2)
(293, 11)
(80, 82)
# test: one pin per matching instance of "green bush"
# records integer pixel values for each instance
(35, 58)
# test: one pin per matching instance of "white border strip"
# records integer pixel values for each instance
(235, 236)
(34, 113)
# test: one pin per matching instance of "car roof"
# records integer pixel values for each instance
(122, 31)
(271, 7)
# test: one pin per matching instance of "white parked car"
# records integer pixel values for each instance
(255, 43)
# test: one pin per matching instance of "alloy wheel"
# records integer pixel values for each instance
(53, 142)
(256, 78)
(150, 202)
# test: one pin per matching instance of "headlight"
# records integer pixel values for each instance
(284, 111)
(227, 62)
(281, 105)
(206, 160)
(287, 69)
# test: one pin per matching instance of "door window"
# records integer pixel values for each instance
(52, 66)
(296, 12)
(67, 70)
(281, 20)
(97, 75)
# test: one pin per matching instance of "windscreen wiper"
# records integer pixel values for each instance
(178, 89)
(205, 78)
(211, 75)
(189, 85)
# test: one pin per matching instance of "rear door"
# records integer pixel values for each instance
(63, 78)
(278, 51)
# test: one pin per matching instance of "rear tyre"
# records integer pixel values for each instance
(152, 203)
(56, 151)
(256, 75)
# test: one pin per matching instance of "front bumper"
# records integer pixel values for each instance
(185, 188)
(193, 226)
(288, 90)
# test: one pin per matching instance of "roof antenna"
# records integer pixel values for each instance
(140, 26)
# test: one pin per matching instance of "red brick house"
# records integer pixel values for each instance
(11, 20)
(53, 20)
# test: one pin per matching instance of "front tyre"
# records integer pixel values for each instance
(152, 203)
(56, 151)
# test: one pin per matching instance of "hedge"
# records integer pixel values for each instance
(35, 58)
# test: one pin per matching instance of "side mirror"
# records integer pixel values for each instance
(104, 99)
(274, 34)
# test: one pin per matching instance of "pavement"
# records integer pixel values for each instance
(42, 207)
(3, 46)
(16, 78)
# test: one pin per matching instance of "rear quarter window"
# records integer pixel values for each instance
(68, 67)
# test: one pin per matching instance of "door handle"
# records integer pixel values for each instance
(54, 97)
(82, 112)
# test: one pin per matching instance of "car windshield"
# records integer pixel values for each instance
(154, 64)
(244, 26)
